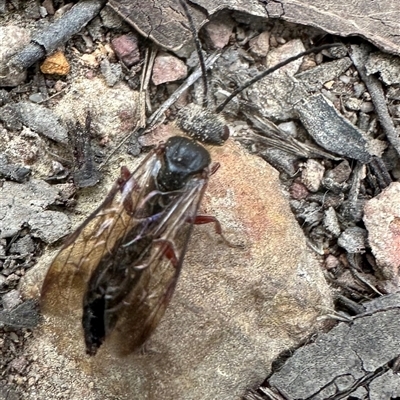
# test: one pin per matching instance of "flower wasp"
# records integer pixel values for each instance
(122, 264)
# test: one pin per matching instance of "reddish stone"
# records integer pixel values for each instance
(126, 48)
(168, 68)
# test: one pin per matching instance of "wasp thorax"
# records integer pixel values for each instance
(183, 158)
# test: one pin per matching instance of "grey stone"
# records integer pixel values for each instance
(331, 222)
(386, 386)
(387, 65)
(381, 218)
(352, 351)
(49, 226)
(331, 130)
(26, 204)
(18, 173)
(24, 315)
(11, 300)
(23, 246)
(312, 175)
(12, 39)
(353, 240)
(38, 118)
(112, 72)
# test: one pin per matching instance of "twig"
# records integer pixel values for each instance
(199, 51)
(56, 34)
(359, 56)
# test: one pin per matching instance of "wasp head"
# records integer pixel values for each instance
(182, 159)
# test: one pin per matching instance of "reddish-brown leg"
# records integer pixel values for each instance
(207, 219)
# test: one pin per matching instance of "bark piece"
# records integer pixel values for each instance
(331, 130)
(38, 118)
(165, 22)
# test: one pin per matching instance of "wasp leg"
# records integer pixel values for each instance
(208, 219)
(168, 250)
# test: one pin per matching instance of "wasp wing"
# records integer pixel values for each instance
(122, 264)
(66, 280)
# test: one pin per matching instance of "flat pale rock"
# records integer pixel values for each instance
(234, 310)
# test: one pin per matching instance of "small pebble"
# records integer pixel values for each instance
(312, 175)
(126, 48)
(11, 299)
(331, 222)
(56, 64)
(218, 32)
(259, 46)
(366, 107)
(307, 64)
(36, 98)
(112, 72)
(43, 12)
(168, 68)
(339, 174)
(282, 53)
(345, 79)
(289, 127)
(353, 104)
(319, 58)
(331, 262)
(19, 364)
(359, 89)
(59, 85)
(328, 85)
(298, 191)
(353, 240)
(14, 337)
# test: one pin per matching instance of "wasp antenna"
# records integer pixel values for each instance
(270, 71)
(198, 49)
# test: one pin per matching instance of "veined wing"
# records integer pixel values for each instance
(67, 277)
